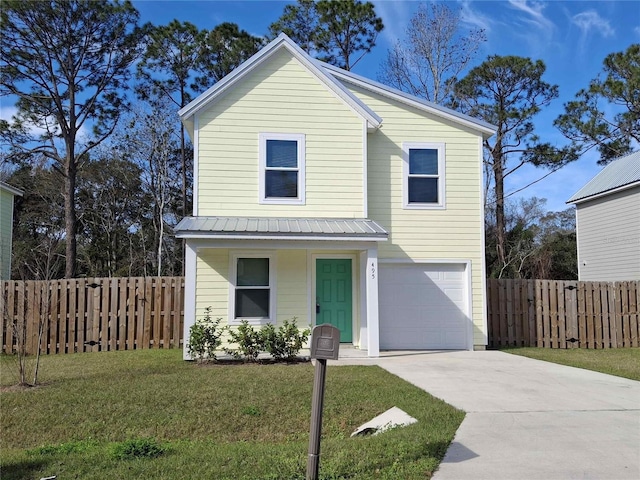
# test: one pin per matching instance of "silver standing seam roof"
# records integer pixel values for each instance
(282, 228)
(625, 171)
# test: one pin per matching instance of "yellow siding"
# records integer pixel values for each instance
(292, 287)
(452, 233)
(280, 96)
(212, 272)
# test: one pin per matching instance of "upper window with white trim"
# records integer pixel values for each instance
(282, 168)
(423, 175)
(252, 294)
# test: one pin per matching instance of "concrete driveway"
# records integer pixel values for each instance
(528, 419)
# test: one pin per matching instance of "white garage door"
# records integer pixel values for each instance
(423, 306)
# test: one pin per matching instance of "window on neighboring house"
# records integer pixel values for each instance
(423, 168)
(282, 168)
(252, 295)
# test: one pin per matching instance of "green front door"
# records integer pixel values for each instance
(334, 304)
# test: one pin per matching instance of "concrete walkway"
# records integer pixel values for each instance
(527, 419)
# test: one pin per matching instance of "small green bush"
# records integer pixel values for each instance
(285, 342)
(248, 340)
(137, 448)
(204, 337)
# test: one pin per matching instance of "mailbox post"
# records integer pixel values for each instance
(325, 343)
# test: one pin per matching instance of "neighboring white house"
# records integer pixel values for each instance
(608, 222)
(7, 192)
(323, 195)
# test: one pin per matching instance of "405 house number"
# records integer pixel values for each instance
(373, 270)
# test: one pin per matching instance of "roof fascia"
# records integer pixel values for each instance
(315, 237)
(605, 193)
(13, 190)
(282, 41)
(486, 129)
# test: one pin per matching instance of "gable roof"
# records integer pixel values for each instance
(620, 174)
(281, 42)
(485, 128)
(332, 77)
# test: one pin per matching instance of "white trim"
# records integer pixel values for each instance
(280, 245)
(483, 266)
(313, 257)
(12, 190)
(372, 272)
(485, 128)
(282, 41)
(441, 176)
(191, 273)
(365, 170)
(196, 164)
(279, 237)
(234, 255)
(578, 253)
(468, 284)
(604, 194)
(299, 138)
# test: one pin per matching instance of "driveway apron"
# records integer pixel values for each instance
(528, 419)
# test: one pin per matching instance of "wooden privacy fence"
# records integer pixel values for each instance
(563, 314)
(92, 314)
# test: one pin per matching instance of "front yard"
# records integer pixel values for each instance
(623, 362)
(222, 421)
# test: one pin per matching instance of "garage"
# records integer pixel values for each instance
(423, 306)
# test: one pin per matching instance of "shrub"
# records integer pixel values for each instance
(285, 342)
(137, 448)
(204, 337)
(248, 340)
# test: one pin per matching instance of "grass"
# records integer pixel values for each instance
(175, 420)
(622, 362)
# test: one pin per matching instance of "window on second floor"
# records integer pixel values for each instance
(423, 175)
(282, 168)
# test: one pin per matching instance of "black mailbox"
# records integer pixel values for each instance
(325, 342)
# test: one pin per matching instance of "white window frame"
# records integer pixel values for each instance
(233, 278)
(300, 139)
(440, 147)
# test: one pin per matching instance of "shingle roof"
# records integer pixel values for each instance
(624, 171)
(288, 228)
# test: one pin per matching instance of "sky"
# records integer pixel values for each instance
(571, 37)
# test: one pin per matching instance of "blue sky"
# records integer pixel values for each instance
(571, 37)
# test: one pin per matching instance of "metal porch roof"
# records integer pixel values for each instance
(280, 228)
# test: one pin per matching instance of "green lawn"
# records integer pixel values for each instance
(222, 422)
(623, 362)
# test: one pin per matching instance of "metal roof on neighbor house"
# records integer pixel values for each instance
(283, 228)
(11, 189)
(623, 172)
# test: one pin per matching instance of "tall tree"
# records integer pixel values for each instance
(67, 62)
(339, 32)
(508, 92)
(606, 115)
(180, 61)
(434, 52)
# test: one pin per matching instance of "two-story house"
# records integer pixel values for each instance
(322, 195)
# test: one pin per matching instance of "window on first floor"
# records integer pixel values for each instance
(252, 288)
(282, 168)
(423, 175)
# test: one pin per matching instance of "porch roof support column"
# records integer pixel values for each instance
(190, 263)
(373, 326)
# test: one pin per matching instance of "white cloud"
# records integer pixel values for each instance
(396, 16)
(591, 21)
(534, 14)
(637, 31)
(474, 18)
